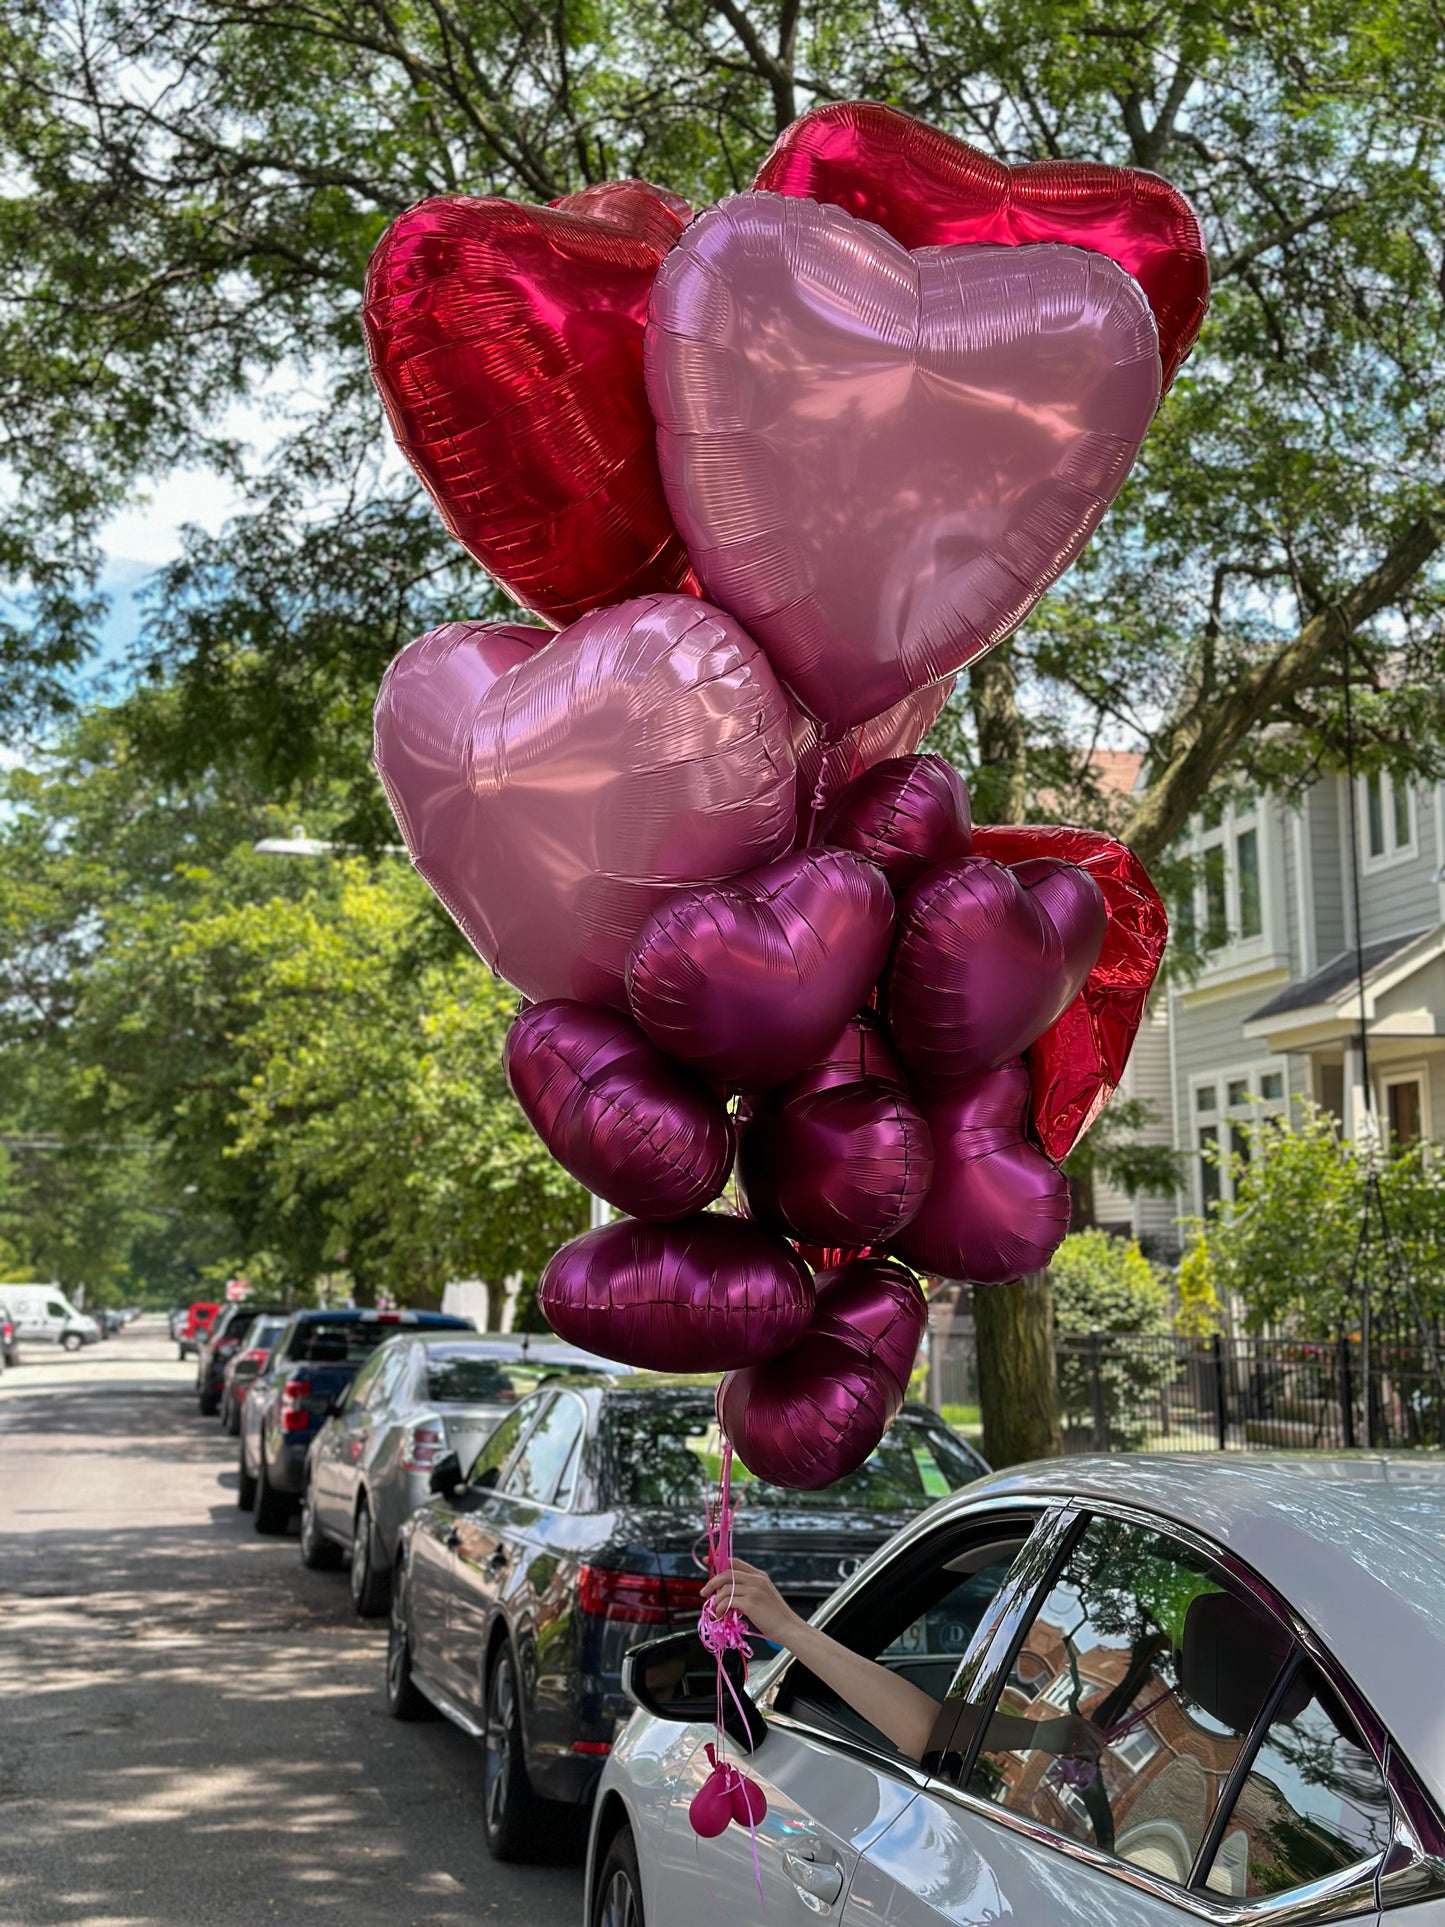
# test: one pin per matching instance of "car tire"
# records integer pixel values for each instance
(230, 1418)
(404, 1698)
(370, 1586)
(245, 1485)
(509, 1806)
(272, 1511)
(317, 1551)
(72, 1341)
(618, 1898)
(208, 1405)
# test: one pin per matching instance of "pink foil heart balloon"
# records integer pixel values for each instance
(616, 1113)
(905, 815)
(747, 980)
(880, 460)
(814, 1414)
(997, 1208)
(704, 1295)
(554, 796)
(986, 959)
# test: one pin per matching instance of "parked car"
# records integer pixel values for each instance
(44, 1312)
(422, 1395)
(218, 1346)
(258, 1341)
(1251, 1641)
(9, 1338)
(315, 1359)
(520, 1586)
(191, 1331)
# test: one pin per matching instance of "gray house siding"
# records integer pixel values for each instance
(1326, 846)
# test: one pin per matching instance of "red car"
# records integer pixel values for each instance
(193, 1327)
(9, 1341)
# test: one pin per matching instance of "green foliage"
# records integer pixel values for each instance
(1200, 1313)
(1106, 1284)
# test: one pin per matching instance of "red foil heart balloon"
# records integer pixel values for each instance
(928, 189)
(905, 815)
(506, 342)
(554, 796)
(814, 1414)
(705, 1295)
(1075, 1066)
(997, 1208)
(986, 958)
(746, 981)
(616, 1113)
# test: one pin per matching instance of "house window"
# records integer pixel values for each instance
(1226, 1108)
(1226, 904)
(1388, 810)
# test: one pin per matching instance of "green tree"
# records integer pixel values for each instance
(1106, 1285)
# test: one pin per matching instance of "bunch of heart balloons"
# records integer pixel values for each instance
(777, 472)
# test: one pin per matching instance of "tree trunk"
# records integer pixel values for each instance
(1015, 1335)
(997, 789)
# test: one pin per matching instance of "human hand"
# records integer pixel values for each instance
(756, 1598)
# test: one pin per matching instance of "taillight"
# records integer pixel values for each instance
(295, 1415)
(643, 1598)
(422, 1445)
(254, 1359)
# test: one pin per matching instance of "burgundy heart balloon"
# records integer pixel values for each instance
(748, 980)
(554, 796)
(616, 1113)
(880, 460)
(906, 815)
(705, 1295)
(997, 1208)
(860, 1053)
(827, 766)
(814, 1414)
(986, 959)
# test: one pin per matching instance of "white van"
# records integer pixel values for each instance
(44, 1311)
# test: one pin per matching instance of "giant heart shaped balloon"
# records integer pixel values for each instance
(880, 460)
(708, 1294)
(906, 815)
(746, 981)
(986, 959)
(929, 190)
(623, 1119)
(506, 342)
(554, 796)
(814, 1414)
(1075, 1066)
(997, 1208)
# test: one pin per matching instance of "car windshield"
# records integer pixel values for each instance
(455, 1379)
(337, 1341)
(661, 1450)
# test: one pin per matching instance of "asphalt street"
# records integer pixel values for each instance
(192, 1731)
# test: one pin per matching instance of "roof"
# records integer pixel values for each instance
(1116, 771)
(1331, 979)
(1355, 1544)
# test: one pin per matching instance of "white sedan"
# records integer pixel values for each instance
(1255, 1648)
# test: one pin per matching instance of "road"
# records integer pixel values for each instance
(191, 1724)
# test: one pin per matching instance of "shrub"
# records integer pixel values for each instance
(1106, 1284)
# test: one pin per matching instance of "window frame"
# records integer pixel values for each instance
(1202, 839)
(553, 1396)
(1387, 789)
(1223, 1116)
(1418, 1074)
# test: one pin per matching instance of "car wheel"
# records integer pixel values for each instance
(272, 1512)
(317, 1551)
(509, 1806)
(245, 1485)
(208, 1404)
(404, 1698)
(72, 1341)
(619, 1887)
(230, 1418)
(370, 1582)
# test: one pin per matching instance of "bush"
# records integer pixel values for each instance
(1106, 1284)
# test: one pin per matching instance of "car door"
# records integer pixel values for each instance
(336, 1448)
(832, 1782)
(1144, 1741)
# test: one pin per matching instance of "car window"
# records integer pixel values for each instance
(502, 1442)
(54, 1309)
(337, 1341)
(1126, 1705)
(362, 1384)
(1313, 1803)
(540, 1463)
(390, 1370)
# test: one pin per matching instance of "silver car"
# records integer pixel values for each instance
(1254, 1650)
(417, 1399)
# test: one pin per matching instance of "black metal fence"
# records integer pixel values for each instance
(1126, 1392)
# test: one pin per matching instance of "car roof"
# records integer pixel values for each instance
(403, 1320)
(1354, 1542)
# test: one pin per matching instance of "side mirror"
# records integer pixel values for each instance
(675, 1678)
(446, 1475)
(489, 1480)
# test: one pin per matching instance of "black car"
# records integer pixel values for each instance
(220, 1345)
(520, 1586)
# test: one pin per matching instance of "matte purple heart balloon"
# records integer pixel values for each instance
(906, 815)
(879, 460)
(986, 959)
(748, 980)
(706, 1295)
(616, 1113)
(554, 796)
(997, 1208)
(814, 1414)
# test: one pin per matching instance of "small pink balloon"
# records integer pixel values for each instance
(747, 980)
(703, 1295)
(710, 1810)
(986, 959)
(553, 796)
(906, 815)
(623, 1119)
(997, 1208)
(814, 1414)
